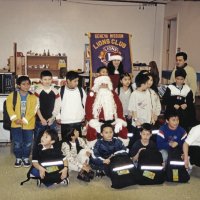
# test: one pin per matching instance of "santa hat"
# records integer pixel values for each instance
(115, 56)
(102, 80)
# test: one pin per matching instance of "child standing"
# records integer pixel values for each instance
(144, 143)
(23, 121)
(49, 104)
(102, 71)
(170, 135)
(48, 158)
(179, 97)
(77, 154)
(105, 148)
(73, 100)
(140, 106)
(124, 91)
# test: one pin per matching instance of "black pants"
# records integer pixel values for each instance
(194, 152)
(66, 128)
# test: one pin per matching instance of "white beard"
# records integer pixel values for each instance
(104, 100)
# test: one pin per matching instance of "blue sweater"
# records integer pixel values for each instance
(167, 135)
(104, 149)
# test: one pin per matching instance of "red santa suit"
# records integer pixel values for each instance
(103, 105)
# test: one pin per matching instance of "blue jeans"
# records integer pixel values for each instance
(39, 128)
(22, 142)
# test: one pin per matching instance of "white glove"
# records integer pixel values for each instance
(118, 127)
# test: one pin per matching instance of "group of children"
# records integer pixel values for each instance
(37, 114)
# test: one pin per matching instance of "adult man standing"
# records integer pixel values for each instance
(191, 78)
(103, 106)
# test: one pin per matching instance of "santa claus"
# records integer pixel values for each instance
(103, 106)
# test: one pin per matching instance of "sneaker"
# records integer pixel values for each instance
(38, 182)
(100, 173)
(64, 182)
(18, 162)
(26, 162)
(83, 175)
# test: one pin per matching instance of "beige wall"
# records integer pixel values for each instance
(42, 24)
(188, 29)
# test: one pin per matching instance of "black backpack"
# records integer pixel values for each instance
(122, 172)
(150, 170)
(62, 90)
(6, 117)
(175, 170)
(50, 178)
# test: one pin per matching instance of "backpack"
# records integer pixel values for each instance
(62, 90)
(175, 169)
(50, 178)
(150, 170)
(6, 117)
(122, 171)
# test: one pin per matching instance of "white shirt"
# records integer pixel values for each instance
(72, 110)
(141, 104)
(193, 138)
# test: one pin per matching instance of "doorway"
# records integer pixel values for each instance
(171, 45)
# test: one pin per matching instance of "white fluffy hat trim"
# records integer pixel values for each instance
(102, 80)
(115, 57)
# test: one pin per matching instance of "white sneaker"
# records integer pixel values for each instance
(64, 182)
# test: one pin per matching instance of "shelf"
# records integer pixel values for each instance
(41, 69)
(54, 64)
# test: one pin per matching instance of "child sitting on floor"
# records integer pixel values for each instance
(77, 154)
(143, 143)
(48, 159)
(105, 148)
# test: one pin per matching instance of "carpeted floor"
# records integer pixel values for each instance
(99, 188)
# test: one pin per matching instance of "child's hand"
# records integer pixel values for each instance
(176, 106)
(18, 122)
(43, 122)
(63, 173)
(184, 106)
(42, 171)
(173, 144)
(50, 121)
(86, 168)
(186, 161)
(106, 161)
(88, 153)
(58, 121)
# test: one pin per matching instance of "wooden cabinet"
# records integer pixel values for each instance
(20, 65)
(36, 64)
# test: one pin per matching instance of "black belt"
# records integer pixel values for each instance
(107, 121)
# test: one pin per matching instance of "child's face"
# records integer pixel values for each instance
(116, 63)
(107, 133)
(179, 80)
(46, 81)
(73, 83)
(144, 86)
(76, 134)
(145, 135)
(46, 139)
(126, 81)
(103, 72)
(24, 86)
(173, 122)
(150, 82)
